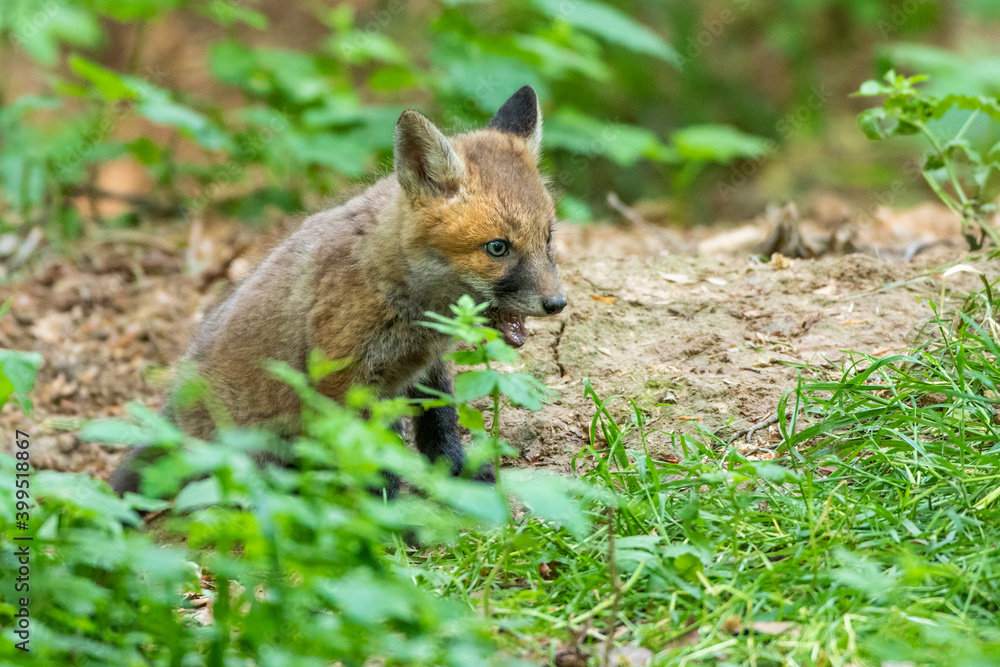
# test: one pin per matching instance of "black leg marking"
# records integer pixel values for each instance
(437, 428)
(126, 478)
(391, 487)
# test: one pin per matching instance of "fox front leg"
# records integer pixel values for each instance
(436, 429)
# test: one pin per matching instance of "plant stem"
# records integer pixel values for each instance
(949, 167)
(967, 125)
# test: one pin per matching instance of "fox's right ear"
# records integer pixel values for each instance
(425, 162)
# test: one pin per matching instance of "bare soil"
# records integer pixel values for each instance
(700, 340)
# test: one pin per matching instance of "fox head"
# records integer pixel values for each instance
(478, 217)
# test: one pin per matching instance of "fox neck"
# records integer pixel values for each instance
(411, 286)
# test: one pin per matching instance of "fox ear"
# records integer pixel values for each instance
(522, 115)
(425, 162)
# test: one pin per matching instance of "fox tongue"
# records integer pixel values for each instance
(511, 325)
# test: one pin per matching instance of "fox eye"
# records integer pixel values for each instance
(497, 248)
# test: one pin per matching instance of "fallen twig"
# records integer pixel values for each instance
(753, 428)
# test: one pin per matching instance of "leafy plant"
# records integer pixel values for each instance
(550, 497)
(294, 124)
(964, 177)
(300, 565)
(18, 371)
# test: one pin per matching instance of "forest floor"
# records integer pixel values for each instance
(699, 333)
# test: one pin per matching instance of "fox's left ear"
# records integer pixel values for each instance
(522, 115)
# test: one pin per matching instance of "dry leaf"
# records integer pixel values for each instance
(602, 299)
(829, 290)
(630, 656)
(780, 262)
(689, 638)
(547, 571)
(733, 625)
(773, 627)
(675, 277)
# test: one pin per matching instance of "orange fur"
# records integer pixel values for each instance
(355, 281)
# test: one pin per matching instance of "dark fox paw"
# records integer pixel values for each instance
(391, 488)
(486, 474)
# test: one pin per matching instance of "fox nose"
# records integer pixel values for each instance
(554, 304)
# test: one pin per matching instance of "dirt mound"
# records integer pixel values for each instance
(699, 344)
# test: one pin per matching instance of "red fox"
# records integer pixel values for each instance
(469, 214)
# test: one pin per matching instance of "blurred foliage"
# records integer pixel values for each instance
(299, 565)
(18, 371)
(640, 97)
(964, 176)
(869, 540)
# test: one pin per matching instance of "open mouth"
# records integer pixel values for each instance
(510, 324)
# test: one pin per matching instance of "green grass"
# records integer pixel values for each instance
(872, 537)
(875, 535)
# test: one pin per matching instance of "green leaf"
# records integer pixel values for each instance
(523, 390)
(933, 162)
(318, 366)
(721, 144)
(393, 78)
(993, 154)
(197, 494)
(347, 153)
(989, 185)
(499, 350)
(18, 371)
(987, 105)
(487, 79)
(114, 432)
(877, 124)
(477, 500)
(471, 418)
(872, 88)
(230, 13)
(558, 60)
(145, 151)
(157, 106)
(231, 62)
(551, 497)
(583, 134)
(83, 493)
(612, 25)
(467, 357)
(111, 85)
(366, 599)
(958, 147)
(471, 385)
(685, 559)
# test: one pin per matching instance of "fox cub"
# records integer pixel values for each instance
(469, 214)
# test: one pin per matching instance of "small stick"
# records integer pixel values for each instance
(753, 428)
(630, 214)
